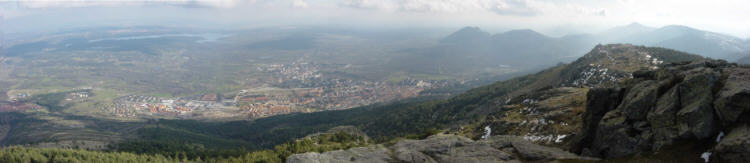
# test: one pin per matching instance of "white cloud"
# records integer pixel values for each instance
(499, 7)
(300, 4)
(40, 4)
(725, 16)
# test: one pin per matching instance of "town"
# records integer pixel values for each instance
(296, 87)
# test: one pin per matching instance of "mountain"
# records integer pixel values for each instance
(528, 49)
(621, 32)
(708, 44)
(521, 49)
(467, 35)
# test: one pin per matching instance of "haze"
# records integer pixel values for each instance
(551, 17)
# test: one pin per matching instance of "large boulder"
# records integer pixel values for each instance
(663, 107)
(663, 119)
(735, 147)
(531, 152)
(624, 130)
(599, 102)
(733, 99)
(639, 99)
(614, 137)
(448, 148)
(371, 154)
(696, 97)
(444, 148)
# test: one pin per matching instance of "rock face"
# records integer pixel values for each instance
(680, 102)
(734, 99)
(599, 102)
(447, 148)
(529, 151)
(371, 154)
(444, 148)
(735, 147)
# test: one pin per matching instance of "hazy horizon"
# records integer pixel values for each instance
(554, 18)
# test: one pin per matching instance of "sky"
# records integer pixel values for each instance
(553, 17)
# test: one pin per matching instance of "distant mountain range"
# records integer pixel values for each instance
(683, 38)
(529, 48)
(523, 49)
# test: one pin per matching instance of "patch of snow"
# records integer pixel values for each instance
(529, 101)
(706, 156)
(718, 138)
(559, 138)
(487, 132)
(546, 138)
(656, 61)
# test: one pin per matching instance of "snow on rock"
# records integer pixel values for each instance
(487, 132)
(706, 156)
(545, 138)
(560, 138)
(530, 101)
(718, 138)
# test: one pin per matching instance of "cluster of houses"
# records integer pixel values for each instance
(135, 105)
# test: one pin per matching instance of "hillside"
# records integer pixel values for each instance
(543, 108)
(384, 122)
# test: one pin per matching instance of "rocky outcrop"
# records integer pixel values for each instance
(445, 148)
(529, 151)
(448, 148)
(735, 147)
(679, 102)
(733, 100)
(599, 102)
(371, 154)
(608, 64)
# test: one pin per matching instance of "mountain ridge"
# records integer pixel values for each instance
(678, 37)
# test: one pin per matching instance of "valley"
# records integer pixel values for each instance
(174, 99)
(374, 81)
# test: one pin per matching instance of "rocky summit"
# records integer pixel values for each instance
(445, 148)
(702, 102)
(619, 101)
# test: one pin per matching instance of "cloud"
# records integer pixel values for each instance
(497, 7)
(300, 4)
(41, 4)
(384, 5)
(514, 7)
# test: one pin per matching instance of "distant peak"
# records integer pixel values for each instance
(677, 27)
(523, 33)
(635, 24)
(630, 28)
(466, 34)
(527, 31)
(470, 29)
